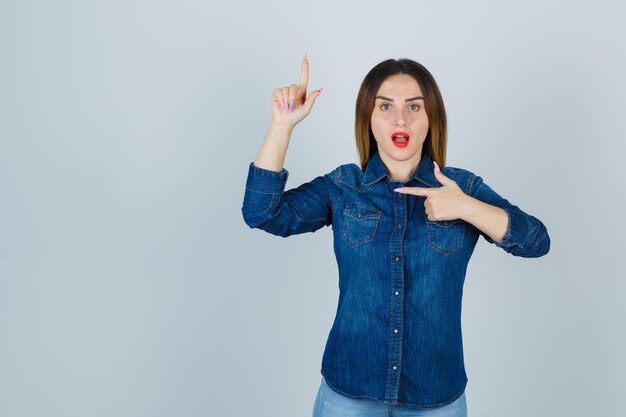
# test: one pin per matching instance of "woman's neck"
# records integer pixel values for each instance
(400, 170)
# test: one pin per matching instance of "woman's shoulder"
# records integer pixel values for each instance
(468, 179)
(349, 171)
(345, 174)
(458, 170)
(462, 176)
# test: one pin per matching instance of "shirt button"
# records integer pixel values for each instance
(358, 215)
(397, 258)
(395, 330)
(394, 367)
(397, 293)
(399, 226)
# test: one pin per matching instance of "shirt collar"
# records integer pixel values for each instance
(424, 172)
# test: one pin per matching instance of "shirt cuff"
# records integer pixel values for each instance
(518, 229)
(264, 180)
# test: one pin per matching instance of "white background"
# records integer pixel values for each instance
(129, 283)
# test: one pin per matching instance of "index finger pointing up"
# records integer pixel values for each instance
(304, 75)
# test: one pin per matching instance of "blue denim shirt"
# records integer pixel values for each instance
(396, 336)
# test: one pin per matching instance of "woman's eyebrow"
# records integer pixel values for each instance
(408, 99)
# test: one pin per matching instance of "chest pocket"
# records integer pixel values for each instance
(359, 224)
(446, 236)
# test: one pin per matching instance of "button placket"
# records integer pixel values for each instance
(396, 303)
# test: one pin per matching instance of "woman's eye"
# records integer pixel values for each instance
(414, 107)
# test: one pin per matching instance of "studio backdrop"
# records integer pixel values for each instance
(130, 284)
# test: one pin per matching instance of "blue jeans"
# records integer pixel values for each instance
(329, 403)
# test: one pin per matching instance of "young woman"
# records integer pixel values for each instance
(404, 227)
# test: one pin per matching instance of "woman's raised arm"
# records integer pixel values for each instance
(266, 205)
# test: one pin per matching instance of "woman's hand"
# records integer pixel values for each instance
(447, 202)
(290, 104)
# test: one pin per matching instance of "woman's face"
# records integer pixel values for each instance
(399, 107)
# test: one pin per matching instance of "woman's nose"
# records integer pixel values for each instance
(399, 118)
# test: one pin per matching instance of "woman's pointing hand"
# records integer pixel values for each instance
(290, 104)
(447, 202)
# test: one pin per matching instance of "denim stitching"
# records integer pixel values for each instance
(262, 191)
(369, 239)
(375, 219)
(471, 188)
(536, 244)
(433, 244)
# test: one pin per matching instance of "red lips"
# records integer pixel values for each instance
(400, 142)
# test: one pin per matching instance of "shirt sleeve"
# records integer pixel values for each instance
(526, 235)
(267, 206)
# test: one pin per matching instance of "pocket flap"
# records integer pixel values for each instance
(444, 223)
(362, 212)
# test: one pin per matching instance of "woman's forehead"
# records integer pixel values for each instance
(400, 86)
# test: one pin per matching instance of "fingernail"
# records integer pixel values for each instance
(321, 89)
(282, 103)
(290, 105)
(305, 56)
(436, 166)
(399, 189)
